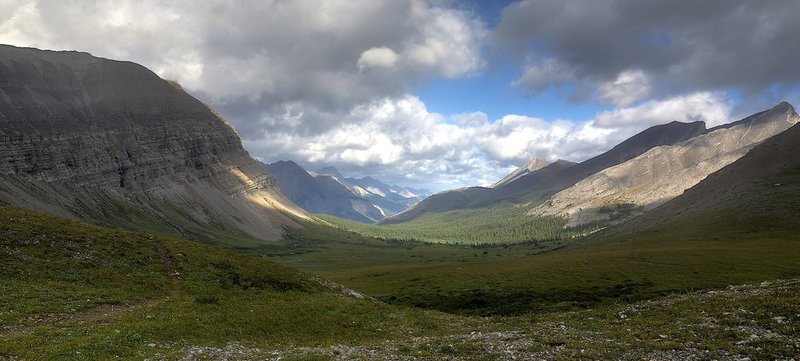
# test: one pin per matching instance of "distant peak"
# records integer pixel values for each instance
(285, 162)
(331, 171)
(536, 164)
(784, 107)
(679, 125)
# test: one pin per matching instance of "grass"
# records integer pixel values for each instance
(756, 321)
(75, 291)
(696, 254)
(93, 292)
(500, 224)
(749, 237)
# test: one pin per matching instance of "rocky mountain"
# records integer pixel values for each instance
(759, 192)
(111, 142)
(331, 171)
(327, 191)
(538, 185)
(321, 193)
(664, 172)
(534, 165)
(392, 199)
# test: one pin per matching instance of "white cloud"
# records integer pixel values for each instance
(629, 87)
(712, 108)
(20, 22)
(400, 139)
(378, 57)
(448, 40)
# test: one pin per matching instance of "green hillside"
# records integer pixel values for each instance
(75, 291)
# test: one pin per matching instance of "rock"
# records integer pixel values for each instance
(532, 166)
(111, 142)
(664, 172)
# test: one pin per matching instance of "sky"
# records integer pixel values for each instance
(440, 94)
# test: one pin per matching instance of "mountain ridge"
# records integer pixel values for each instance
(533, 165)
(759, 188)
(317, 194)
(644, 182)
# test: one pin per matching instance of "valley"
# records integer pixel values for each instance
(169, 299)
(137, 222)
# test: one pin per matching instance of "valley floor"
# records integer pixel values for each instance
(70, 290)
(756, 321)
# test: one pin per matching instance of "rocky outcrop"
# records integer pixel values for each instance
(664, 172)
(532, 166)
(114, 132)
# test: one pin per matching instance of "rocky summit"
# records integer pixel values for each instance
(111, 142)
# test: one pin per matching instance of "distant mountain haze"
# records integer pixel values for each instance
(331, 171)
(320, 194)
(327, 191)
(110, 142)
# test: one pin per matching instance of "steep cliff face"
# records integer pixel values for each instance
(103, 129)
(663, 173)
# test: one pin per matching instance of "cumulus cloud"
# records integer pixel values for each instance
(378, 57)
(629, 86)
(401, 139)
(711, 108)
(620, 51)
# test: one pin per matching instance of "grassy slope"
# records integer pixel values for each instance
(76, 291)
(636, 267)
(93, 293)
(712, 248)
(755, 321)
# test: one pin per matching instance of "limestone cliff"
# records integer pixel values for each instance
(109, 141)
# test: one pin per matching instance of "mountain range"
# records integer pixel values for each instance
(758, 191)
(327, 191)
(635, 176)
(533, 186)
